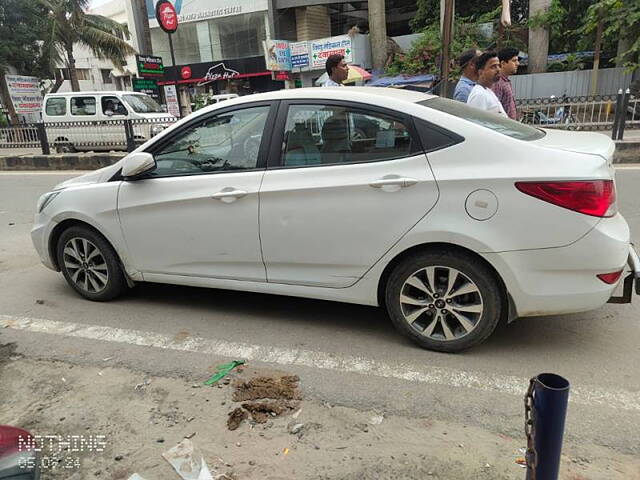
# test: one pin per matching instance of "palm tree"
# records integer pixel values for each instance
(69, 23)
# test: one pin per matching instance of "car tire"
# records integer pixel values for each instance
(90, 264)
(439, 315)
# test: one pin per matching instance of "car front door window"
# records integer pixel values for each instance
(226, 142)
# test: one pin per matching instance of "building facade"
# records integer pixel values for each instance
(96, 74)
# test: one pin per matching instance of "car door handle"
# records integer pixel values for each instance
(229, 195)
(394, 181)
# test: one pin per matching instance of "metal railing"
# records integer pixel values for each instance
(598, 112)
(69, 137)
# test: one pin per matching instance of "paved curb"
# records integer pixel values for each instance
(627, 151)
(82, 161)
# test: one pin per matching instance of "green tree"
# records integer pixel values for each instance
(21, 28)
(68, 24)
(621, 20)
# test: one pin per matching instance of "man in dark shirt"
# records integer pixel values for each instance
(502, 88)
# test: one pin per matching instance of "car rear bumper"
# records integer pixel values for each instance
(631, 282)
(564, 280)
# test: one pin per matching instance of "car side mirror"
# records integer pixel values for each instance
(136, 164)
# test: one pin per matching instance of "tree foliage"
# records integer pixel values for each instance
(68, 24)
(621, 19)
(21, 31)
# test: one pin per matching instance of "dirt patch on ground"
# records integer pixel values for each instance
(236, 418)
(7, 351)
(262, 411)
(276, 388)
(280, 392)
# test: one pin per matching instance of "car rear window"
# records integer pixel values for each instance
(489, 120)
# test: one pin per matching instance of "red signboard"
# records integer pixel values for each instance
(185, 73)
(167, 16)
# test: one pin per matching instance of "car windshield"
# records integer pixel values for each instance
(489, 120)
(143, 104)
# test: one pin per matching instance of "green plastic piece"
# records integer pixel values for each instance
(223, 370)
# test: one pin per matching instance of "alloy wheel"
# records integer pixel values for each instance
(441, 303)
(85, 265)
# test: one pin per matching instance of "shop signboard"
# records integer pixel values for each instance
(148, 86)
(299, 55)
(325, 47)
(150, 66)
(198, 10)
(277, 55)
(171, 97)
(24, 93)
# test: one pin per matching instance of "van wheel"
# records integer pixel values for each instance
(445, 301)
(64, 146)
(90, 264)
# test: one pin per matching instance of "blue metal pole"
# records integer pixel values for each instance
(550, 398)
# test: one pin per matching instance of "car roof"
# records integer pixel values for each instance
(95, 92)
(370, 95)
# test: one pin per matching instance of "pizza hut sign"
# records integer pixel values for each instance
(218, 72)
(167, 16)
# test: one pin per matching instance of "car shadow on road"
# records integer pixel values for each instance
(534, 336)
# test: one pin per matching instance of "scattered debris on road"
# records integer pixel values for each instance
(188, 463)
(236, 418)
(223, 370)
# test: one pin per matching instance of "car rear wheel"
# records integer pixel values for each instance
(90, 265)
(444, 301)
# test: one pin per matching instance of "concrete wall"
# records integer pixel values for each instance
(313, 22)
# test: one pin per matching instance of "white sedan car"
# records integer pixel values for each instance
(449, 217)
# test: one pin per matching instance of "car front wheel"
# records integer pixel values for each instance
(90, 265)
(445, 301)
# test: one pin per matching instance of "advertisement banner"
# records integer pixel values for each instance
(299, 55)
(277, 55)
(171, 96)
(196, 10)
(150, 66)
(325, 47)
(148, 86)
(25, 93)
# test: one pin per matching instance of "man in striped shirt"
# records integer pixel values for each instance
(502, 88)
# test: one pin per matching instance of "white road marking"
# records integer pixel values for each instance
(628, 166)
(584, 394)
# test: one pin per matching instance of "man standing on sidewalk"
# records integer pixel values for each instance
(503, 89)
(482, 96)
(467, 62)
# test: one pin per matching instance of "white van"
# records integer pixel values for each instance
(102, 115)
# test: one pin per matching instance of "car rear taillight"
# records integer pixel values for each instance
(610, 278)
(591, 197)
(14, 439)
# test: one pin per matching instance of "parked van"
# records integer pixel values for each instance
(95, 120)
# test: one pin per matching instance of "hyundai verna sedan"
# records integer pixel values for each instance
(449, 217)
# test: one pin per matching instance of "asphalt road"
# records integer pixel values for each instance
(345, 354)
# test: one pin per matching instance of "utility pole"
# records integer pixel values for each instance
(378, 33)
(447, 34)
(596, 55)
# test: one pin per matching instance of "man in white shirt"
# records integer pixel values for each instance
(337, 69)
(481, 96)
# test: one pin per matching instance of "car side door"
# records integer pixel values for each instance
(197, 214)
(345, 182)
